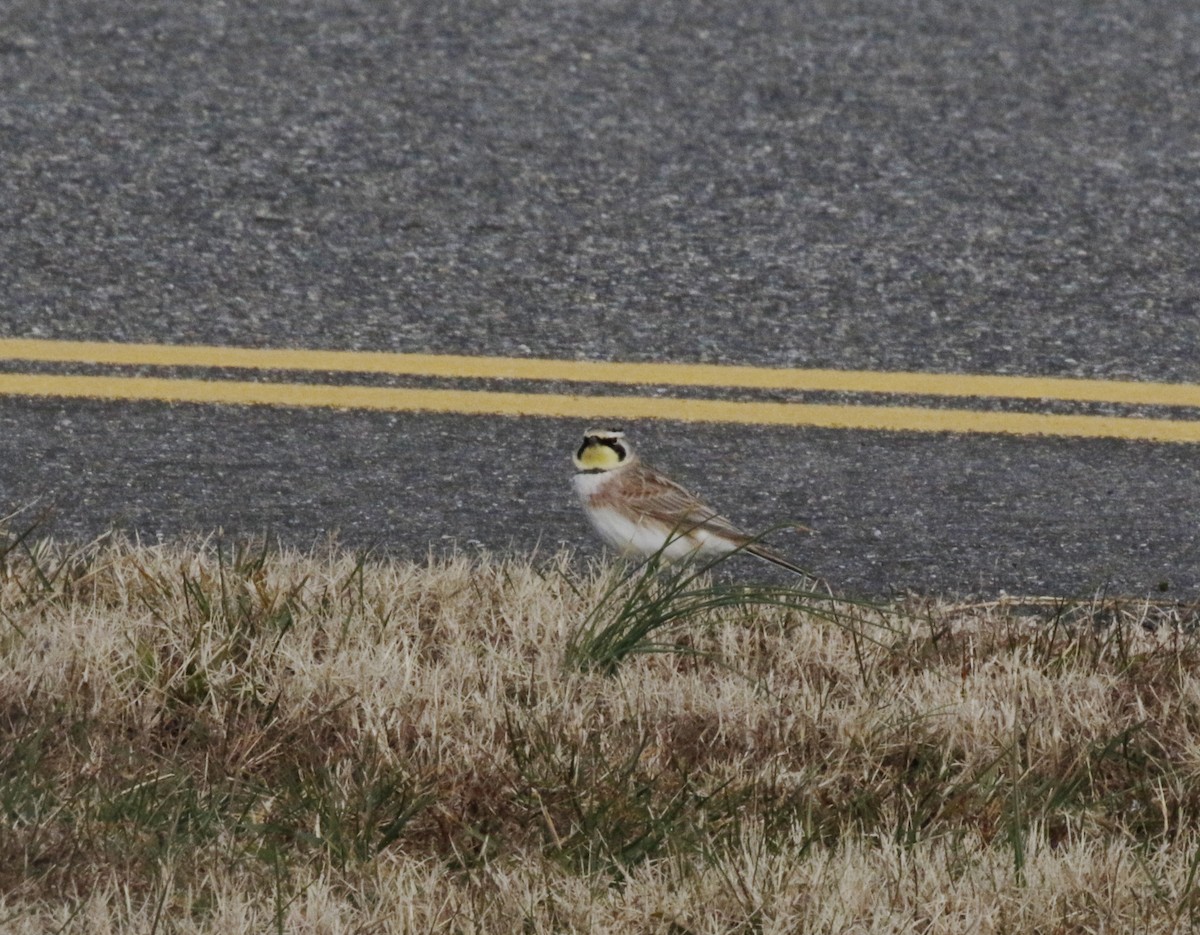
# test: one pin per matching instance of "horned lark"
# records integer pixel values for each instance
(638, 511)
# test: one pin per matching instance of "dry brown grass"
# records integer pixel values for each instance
(196, 739)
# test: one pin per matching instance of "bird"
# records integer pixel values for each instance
(639, 511)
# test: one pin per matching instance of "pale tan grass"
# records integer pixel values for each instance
(867, 887)
(218, 742)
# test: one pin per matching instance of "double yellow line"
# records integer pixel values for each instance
(601, 407)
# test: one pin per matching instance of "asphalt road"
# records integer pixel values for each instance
(938, 186)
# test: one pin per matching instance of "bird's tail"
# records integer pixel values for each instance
(771, 556)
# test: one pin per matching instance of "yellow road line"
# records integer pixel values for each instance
(887, 418)
(1129, 392)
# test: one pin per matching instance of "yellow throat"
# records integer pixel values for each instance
(601, 452)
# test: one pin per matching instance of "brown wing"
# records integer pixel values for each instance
(650, 492)
(646, 491)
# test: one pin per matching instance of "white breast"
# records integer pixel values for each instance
(586, 485)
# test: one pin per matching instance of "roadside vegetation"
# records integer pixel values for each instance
(206, 737)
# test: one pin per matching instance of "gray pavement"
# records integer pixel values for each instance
(891, 512)
(1009, 187)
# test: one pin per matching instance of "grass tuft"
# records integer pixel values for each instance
(654, 600)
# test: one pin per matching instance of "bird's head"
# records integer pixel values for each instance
(602, 450)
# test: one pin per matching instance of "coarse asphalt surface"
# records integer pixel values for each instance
(988, 188)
